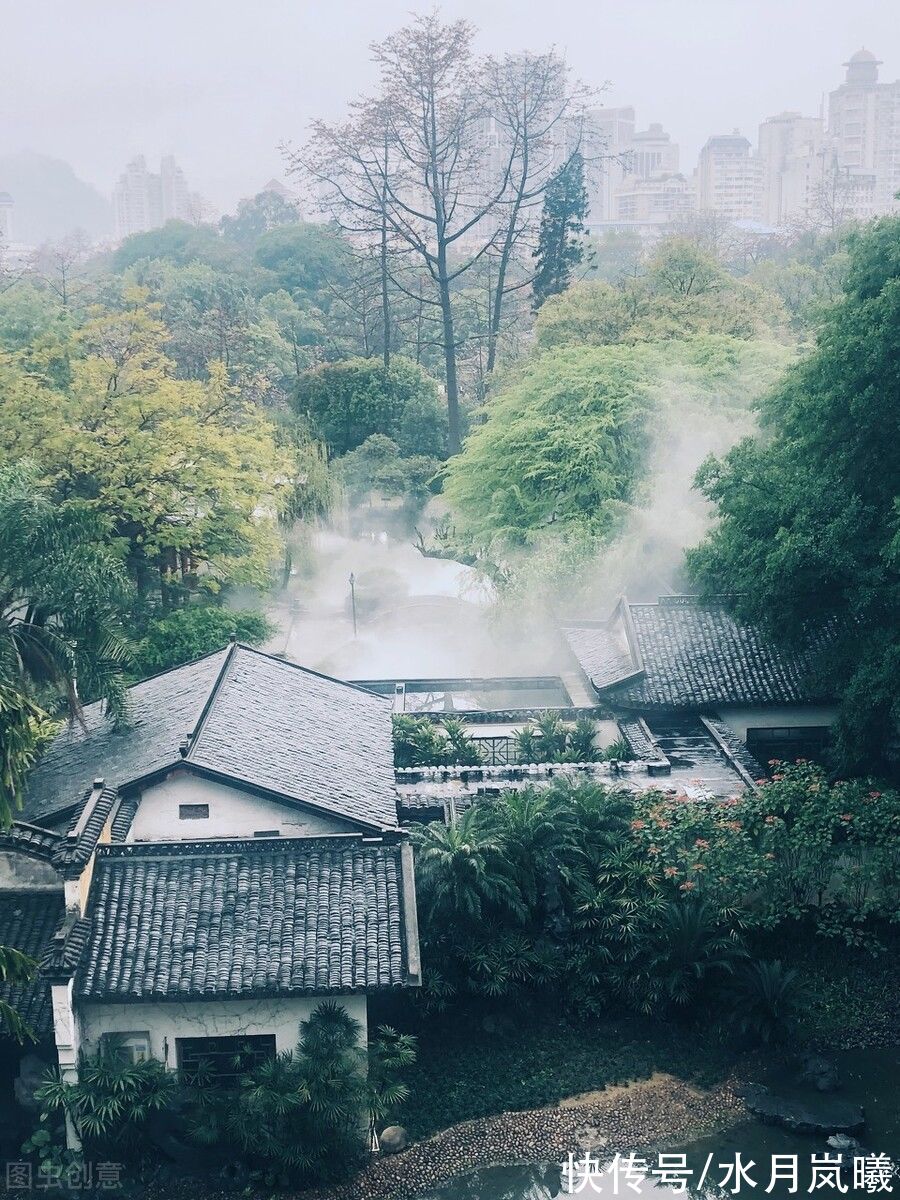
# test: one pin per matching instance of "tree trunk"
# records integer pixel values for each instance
(453, 438)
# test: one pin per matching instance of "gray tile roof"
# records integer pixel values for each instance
(31, 840)
(246, 716)
(246, 918)
(77, 845)
(302, 735)
(683, 654)
(28, 920)
(162, 712)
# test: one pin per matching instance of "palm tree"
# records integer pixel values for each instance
(62, 592)
(766, 998)
(460, 749)
(688, 949)
(539, 835)
(461, 871)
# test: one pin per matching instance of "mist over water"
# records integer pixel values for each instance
(417, 617)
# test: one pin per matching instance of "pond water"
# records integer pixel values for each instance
(870, 1078)
(417, 617)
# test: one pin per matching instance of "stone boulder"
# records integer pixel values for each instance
(818, 1072)
(393, 1139)
(819, 1114)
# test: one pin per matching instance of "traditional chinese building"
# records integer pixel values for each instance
(205, 875)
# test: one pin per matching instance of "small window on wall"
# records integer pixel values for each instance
(126, 1047)
(787, 743)
(193, 812)
(222, 1059)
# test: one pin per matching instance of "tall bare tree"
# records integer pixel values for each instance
(539, 119)
(444, 169)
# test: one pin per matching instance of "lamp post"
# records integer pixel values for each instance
(353, 600)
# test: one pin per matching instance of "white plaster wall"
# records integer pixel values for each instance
(742, 719)
(207, 1018)
(22, 871)
(232, 813)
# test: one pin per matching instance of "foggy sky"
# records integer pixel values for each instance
(219, 83)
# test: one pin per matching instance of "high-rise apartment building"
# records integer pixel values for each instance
(655, 200)
(609, 138)
(796, 158)
(145, 200)
(653, 153)
(864, 123)
(730, 178)
(6, 218)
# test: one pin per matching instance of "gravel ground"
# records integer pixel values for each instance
(658, 1110)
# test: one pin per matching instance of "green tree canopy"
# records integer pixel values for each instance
(177, 242)
(809, 514)
(562, 442)
(305, 259)
(265, 211)
(348, 402)
(683, 292)
(187, 474)
(62, 596)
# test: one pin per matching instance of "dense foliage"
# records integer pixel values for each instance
(62, 591)
(349, 401)
(808, 538)
(189, 633)
(652, 900)
(419, 741)
(683, 291)
(301, 1116)
(562, 442)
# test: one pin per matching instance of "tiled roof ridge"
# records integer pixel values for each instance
(23, 836)
(79, 842)
(193, 734)
(213, 847)
(289, 662)
(63, 953)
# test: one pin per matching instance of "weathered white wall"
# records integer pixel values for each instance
(207, 1018)
(22, 871)
(742, 719)
(232, 813)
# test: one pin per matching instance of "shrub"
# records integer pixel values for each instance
(302, 1116)
(189, 633)
(550, 740)
(765, 1000)
(419, 741)
(112, 1104)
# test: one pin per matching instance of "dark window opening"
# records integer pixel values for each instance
(222, 1060)
(787, 743)
(193, 812)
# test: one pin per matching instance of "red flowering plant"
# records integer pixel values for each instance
(702, 847)
(836, 849)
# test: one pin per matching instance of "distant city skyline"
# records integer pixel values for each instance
(219, 85)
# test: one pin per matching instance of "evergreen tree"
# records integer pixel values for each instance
(807, 538)
(560, 247)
